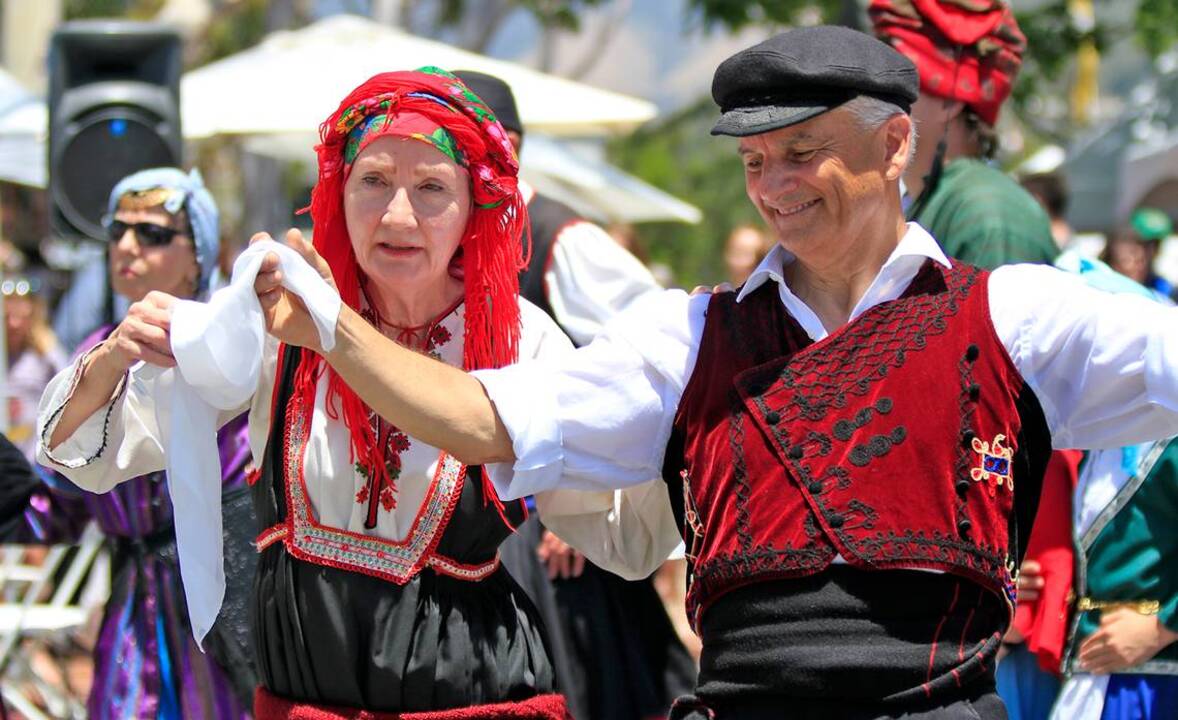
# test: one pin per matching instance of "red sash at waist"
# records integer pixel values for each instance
(268, 706)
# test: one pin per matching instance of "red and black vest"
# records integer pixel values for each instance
(904, 440)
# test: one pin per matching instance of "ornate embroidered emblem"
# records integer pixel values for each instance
(994, 468)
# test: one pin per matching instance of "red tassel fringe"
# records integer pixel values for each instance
(492, 252)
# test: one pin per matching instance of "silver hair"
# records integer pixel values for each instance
(871, 113)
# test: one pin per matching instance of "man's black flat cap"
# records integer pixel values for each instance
(801, 73)
(496, 94)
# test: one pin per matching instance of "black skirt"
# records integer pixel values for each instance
(336, 637)
(326, 635)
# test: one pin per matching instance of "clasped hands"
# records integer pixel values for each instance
(145, 333)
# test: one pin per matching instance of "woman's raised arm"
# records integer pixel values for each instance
(143, 335)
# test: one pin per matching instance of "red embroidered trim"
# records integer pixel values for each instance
(396, 561)
(270, 536)
(252, 475)
(473, 573)
(540, 707)
(440, 563)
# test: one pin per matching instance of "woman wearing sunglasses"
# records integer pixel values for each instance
(163, 231)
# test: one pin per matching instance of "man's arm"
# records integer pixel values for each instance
(429, 400)
(595, 419)
(1103, 366)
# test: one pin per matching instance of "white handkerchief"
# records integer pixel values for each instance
(218, 350)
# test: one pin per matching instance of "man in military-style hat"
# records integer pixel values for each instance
(850, 444)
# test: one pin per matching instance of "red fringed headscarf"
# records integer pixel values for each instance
(491, 248)
(966, 50)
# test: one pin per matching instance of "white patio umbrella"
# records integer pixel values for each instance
(293, 79)
(280, 90)
(22, 144)
(22, 134)
(597, 189)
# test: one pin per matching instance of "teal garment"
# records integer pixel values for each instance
(1129, 552)
(982, 217)
(1100, 276)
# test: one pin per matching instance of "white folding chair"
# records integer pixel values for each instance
(32, 614)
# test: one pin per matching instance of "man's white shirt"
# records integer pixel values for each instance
(1104, 368)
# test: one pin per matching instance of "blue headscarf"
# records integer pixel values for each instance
(190, 195)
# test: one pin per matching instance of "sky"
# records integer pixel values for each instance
(658, 53)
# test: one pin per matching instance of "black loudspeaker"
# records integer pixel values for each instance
(114, 108)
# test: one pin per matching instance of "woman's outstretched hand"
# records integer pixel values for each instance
(286, 316)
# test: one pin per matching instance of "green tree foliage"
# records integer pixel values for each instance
(737, 14)
(1053, 36)
(473, 23)
(1051, 33)
(1157, 25)
(89, 9)
(562, 14)
(238, 26)
(679, 156)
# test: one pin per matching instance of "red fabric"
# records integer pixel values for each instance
(541, 707)
(406, 125)
(965, 50)
(855, 444)
(491, 248)
(1043, 622)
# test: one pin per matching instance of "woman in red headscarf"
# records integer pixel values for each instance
(379, 592)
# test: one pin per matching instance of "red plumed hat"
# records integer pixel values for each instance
(964, 50)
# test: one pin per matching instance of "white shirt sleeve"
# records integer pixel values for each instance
(122, 440)
(1103, 366)
(628, 531)
(591, 279)
(600, 417)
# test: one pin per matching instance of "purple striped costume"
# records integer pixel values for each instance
(146, 664)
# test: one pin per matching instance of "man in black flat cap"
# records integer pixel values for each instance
(853, 441)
